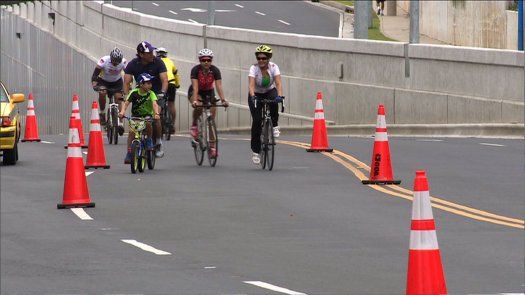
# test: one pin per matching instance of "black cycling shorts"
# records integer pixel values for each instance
(113, 87)
(205, 95)
(172, 91)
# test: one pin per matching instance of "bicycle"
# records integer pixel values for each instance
(112, 119)
(166, 120)
(267, 152)
(207, 135)
(139, 153)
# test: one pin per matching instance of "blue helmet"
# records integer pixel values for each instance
(145, 77)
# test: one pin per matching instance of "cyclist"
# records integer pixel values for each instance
(264, 80)
(146, 62)
(143, 104)
(173, 83)
(108, 73)
(204, 78)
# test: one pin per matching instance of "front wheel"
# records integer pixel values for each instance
(109, 127)
(150, 155)
(135, 157)
(198, 147)
(114, 125)
(270, 145)
(213, 142)
(142, 163)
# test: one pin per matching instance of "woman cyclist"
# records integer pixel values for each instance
(204, 78)
(264, 83)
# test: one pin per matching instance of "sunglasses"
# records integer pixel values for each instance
(205, 60)
(262, 58)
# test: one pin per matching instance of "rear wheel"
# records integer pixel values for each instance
(270, 151)
(135, 157)
(214, 142)
(10, 156)
(167, 126)
(198, 147)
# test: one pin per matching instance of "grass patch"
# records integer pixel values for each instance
(349, 3)
(374, 33)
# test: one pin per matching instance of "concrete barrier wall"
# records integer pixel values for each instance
(419, 84)
(512, 29)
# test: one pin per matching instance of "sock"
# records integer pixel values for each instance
(159, 140)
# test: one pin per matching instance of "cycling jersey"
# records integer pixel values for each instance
(173, 77)
(141, 103)
(264, 83)
(111, 73)
(155, 68)
(206, 81)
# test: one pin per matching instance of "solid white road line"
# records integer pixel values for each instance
(260, 13)
(88, 173)
(81, 213)
(282, 21)
(193, 21)
(154, 3)
(490, 144)
(431, 140)
(225, 10)
(173, 12)
(273, 288)
(48, 142)
(146, 247)
(238, 5)
(191, 9)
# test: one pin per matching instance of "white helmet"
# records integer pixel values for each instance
(205, 52)
(161, 52)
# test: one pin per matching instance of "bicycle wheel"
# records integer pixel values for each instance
(114, 124)
(212, 133)
(198, 147)
(270, 145)
(167, 126)
(142, 156)
(150, 155)
(109, 129)
(135, 157)
(264, 146)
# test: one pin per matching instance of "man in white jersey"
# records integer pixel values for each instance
(108, 73)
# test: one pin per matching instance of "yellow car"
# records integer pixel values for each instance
(9, 125)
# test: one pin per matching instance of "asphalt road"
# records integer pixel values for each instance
(277, 16)
(307, 227)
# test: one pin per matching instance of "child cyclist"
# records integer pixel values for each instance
(144, 104)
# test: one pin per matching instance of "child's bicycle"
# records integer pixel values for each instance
(140, 155)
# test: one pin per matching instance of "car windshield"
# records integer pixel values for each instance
(3, 95)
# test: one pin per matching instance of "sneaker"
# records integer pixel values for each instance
(256, 159)
(213, 152)
(120, 129)
(276, 131)
(194, 131)
(127, 160)
(378, 10)
(149, 144)
(159, 153)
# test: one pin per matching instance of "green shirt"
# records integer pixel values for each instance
(141, 103)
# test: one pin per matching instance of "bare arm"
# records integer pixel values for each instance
(251, 85)
(195, 85)
(156, 110)
(127, 82)
(164, 80)
(124, 107)
(278, 85)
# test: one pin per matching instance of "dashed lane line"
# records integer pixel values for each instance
(88, 173)
(193, 21)
(282, 21)
(173, 12)
(81, 213)
(239, 5)
(48, 142)
(273, 287)
(155, 4)
(260, 13)
(146, 247)
(430, 140)
(491, 144)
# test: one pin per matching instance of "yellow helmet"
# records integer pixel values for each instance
(265, 49)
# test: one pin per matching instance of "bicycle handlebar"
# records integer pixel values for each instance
(147, 118)
(211, 106)
(100, 88)
(268, 101)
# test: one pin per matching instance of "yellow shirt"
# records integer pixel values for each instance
(173, 76)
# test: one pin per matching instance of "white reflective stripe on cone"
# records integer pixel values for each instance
(319, 116)
(319, 104)
(74, 152)
(423, 240)
(75, 105)
(421, 208)
(30, 104)
(73, 136)
(94, 115)
(94, 127)
(381, 136)
(76, 115)
(30, 112)
(381, 121)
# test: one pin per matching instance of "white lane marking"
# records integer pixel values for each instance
(48, 142)
(260, 13)
(490, 144)
(225, 10)
(238, 5)
(154, 4)
(210, 267)
(282, 21)
(273, 288)
(88, 173)
(81, 213)
(146, 247)
(432, 140)
(173, 12)
(193, 21)
(191, 9)
(85, 153)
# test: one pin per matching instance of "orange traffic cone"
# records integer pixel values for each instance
(31, 131)
(96, 158)
(381, 168)
(319, 136)
(75, 111)
(75, 185)
(425, 274)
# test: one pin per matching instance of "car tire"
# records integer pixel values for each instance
(10, 156)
